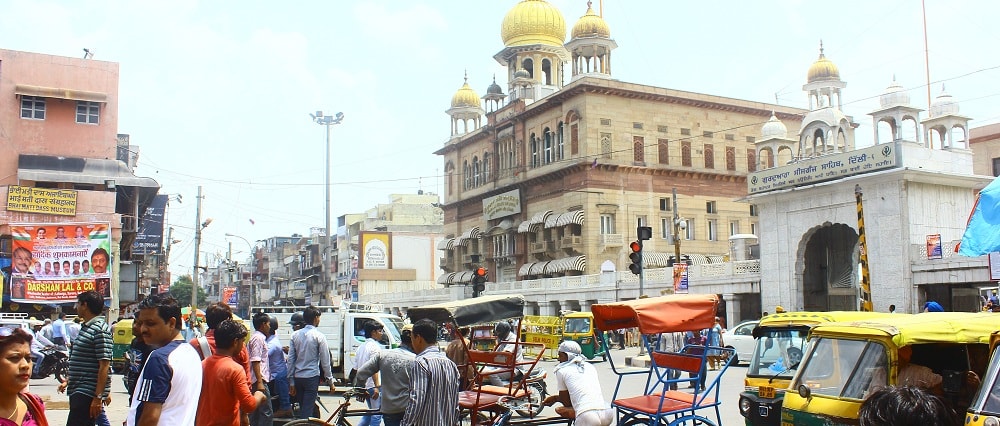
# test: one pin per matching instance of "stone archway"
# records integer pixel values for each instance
(828, 268)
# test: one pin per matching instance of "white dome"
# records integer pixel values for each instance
(944, 104)
(774, 128)
(894, 95)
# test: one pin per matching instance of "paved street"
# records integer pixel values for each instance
(732, 385)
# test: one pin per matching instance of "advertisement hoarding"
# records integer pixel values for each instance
(54, 262)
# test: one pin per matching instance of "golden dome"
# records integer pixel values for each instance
(591, 25)
(822, 69)
(465, 97)
(533, 22)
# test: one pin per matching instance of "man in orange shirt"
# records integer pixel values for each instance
(224, 383)
(215, 314)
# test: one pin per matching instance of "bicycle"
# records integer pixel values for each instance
(511, 406)
(339, 416)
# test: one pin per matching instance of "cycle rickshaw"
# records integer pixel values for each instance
(655, 317)
(481, 401)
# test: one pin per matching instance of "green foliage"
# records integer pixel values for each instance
(181, 290)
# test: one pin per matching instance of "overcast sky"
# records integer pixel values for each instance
(218, 93)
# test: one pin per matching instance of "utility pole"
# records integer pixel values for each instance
(165, 264)
(677, 228)
(197, 252)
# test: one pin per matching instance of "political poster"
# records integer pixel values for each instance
(230, 296)
(680, 278)
(54, 262)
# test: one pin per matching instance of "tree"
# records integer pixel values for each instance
(181, 290)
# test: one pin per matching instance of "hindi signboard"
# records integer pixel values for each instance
(376, 250)
(54, 262)
(506, 204)
(824, 168)
(41, 200)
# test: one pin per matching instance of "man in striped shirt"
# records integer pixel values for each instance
(433, 382)
(89, 360)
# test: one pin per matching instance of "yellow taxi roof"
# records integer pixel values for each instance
(928, 327)
(812, 318)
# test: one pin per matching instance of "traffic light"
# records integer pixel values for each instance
(478, 281)
(635, 257)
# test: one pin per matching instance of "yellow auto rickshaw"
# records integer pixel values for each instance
(780, 343)
(579, 327)
(846, 361)
(121, 338)
(985, 407)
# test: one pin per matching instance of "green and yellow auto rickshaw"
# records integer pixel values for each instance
(781, 341)
(985, 407)
(121, 339)
(579, 327)
(846, 361)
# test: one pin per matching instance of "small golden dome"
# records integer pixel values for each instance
(822, 69)
(590, 25)
(465, 96)
(533, 22)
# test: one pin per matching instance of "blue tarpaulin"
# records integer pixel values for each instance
(982, 235)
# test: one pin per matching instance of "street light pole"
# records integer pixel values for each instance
(677, 229)
(252, 257)
(328, 121)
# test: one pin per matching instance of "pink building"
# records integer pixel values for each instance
(59, 131)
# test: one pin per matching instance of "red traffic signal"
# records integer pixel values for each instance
(635, 257)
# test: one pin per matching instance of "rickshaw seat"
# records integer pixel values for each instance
(477, 401)
(500, 390)
(650, 404)
(678, 361)
(492, 358)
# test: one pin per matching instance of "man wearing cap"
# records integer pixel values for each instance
(396, 364)
(579, 389)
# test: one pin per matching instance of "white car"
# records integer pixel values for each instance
(741, 339)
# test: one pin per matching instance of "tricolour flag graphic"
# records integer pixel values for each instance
(99, 232)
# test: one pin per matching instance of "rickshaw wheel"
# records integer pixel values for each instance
(536, 397)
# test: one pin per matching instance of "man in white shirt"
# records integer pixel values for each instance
(579, 389)
(37, 344)
(373, 333)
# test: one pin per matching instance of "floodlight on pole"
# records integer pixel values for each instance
(329, 122)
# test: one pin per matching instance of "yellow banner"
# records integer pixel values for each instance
(40, 200)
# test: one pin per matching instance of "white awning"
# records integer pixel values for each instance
(538, 268)
(446, 278)
(563, 219)
(468, 236)
(524, 269)
(533, 224)
(575, 263)
(446, 244)
(462, 277)
(501, 228)
(655, 260)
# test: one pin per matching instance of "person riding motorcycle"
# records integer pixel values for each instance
(38, 344)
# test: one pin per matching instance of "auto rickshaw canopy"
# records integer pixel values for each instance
(654, 315)
(477, 310)
(927, 327)
(793, 319)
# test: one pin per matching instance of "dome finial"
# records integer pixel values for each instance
(821, 48)
(466, 75)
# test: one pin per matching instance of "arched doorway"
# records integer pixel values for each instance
(829, 268)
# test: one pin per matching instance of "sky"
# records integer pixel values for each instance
(218, 94)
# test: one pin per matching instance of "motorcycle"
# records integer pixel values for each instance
(56, 363)
(537, 391)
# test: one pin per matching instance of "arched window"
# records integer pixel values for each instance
(560, 145)
(465, 175)
(547, 72)
(475, 171)
(547, 137)
(534, 151)
(528, 66)
(486, 167)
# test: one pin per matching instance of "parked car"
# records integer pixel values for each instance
(741, 339)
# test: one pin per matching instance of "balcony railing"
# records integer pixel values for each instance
(612, 240)
(572, 242)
